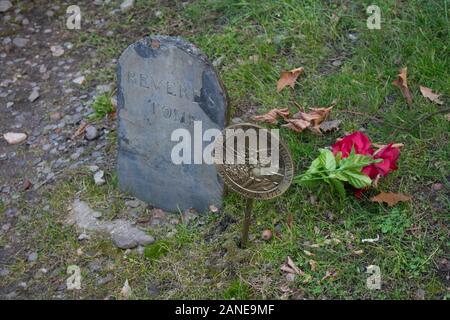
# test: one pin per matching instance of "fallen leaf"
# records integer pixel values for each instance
(126, 290)
(80, 130)
(313, 265)
(401, 82)
(288, 78)
(290, 219)
(290, 267)
(390, 198)
(381, 146)
(26, 184)
(308, 253)
(329, 274)
(316, 116)
(297, 124)
(358, 252)
(272, 115)
(328, 126)
(428, 93)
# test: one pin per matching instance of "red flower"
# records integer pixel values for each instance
(389, 155)
(357, 140)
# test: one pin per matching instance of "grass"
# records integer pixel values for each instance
(257, 40)
(102, 106)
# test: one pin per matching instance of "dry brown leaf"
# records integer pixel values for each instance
(308, 253)
(297, 124)
(80, 130)
(290, 267)
(288, 78)
(272, 115)
(313, 265)
(402, 83)
(315, 116)
(428, 93)
(290, 219)
(329, 274)
(390, 198)
(380, 146)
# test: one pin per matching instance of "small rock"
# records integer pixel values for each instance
(83, 236)
(153, 290)
(336, 63)
(437, 186)
(93, 168)
(104, 280)
(5, 6)
(55, 116)
(126, 5)
(420, 294)
(352, 36)
(79, 80)
(91, 132)
(328, 126)
(236, 120)
(213, 209)
(97, 215)
(4, 272)
(103, 88)
(68, 45)
(134, 203)
(32, 257)
(140, 250)
(14, 137)
(98, 178)
(57, 51)
(128, 238)
(33, 95)
(9, 104)
(20, 42)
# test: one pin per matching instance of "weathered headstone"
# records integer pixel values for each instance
(164, 84)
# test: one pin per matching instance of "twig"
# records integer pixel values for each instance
(428, 116)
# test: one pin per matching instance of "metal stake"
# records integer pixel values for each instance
(247, 220)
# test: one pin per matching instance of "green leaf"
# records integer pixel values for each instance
(307, 181)
(314, 166)
(338, 158)
(339, 186)
(327, 159)
(340, 176)
(355, 161)
(358, 180)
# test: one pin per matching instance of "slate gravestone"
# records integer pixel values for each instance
(166, 83)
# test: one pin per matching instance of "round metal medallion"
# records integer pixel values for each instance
(253, 161)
